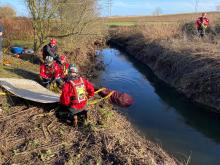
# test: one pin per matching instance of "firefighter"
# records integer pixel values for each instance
(50, 72)
(201, 24)
(75, 94)
(64, 66)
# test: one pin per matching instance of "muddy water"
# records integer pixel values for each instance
(162, 115)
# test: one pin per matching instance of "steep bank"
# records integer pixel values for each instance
(190, 66)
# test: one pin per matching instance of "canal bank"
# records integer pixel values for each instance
(191, 67)
(160, 113)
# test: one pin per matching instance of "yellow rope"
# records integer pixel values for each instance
(101, 89)
(2, 93)
(99, 100)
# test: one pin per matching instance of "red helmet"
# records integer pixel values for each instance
(63, 57)
(53, 41)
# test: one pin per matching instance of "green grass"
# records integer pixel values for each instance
(18, 68)
(121, 23)
(22, 43)
(118, 24)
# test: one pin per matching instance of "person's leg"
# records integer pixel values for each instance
(75, 120)
(62, 112)
(59, 83)
(203, 32)
(86, 115)
(46, 82)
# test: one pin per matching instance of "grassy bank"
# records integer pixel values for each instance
(186, 62)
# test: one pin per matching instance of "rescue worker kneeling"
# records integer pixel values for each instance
(64, 66)
(75, 94)
(50, 72)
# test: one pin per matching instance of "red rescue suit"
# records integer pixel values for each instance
(64, 70)
(75, 93)
(50, 72)
(202, 20)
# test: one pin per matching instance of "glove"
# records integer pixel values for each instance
(46, 81)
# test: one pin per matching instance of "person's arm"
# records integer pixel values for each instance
(198, 23)
(89, 88)
(65, 96)
(57, 71)
(206, 22)
(43, 72)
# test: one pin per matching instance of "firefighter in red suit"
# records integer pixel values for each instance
(64, 66)
(201, 24)
(75, 94)
(49, 72)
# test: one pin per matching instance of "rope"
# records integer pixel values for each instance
(99, 100)
(101, 89)
(2, 93)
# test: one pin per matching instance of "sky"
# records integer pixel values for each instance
(135, 7)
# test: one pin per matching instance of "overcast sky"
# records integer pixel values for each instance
(136, 7)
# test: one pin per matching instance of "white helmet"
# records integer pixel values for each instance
(48, 59)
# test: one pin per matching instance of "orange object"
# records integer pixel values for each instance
(17, 56)
(6, 62)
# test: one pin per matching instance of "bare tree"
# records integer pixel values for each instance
(64, 19)
(7, 11)
(42, 12)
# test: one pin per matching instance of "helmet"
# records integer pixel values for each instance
(63, 57)
(73, 68)
(48, 60)
(53, 41)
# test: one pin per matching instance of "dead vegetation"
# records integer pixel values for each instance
(183, 60)
(34, 135)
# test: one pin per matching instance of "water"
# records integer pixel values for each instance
(160, 113)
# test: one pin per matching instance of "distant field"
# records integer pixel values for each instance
(166, 19)
(121, 23)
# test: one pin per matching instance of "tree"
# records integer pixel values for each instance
(64, 19)
(7, 12)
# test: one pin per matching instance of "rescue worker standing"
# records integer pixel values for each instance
(75, 94)
(49, 72)
(202, 24)
(64, 66)
(51, 50)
